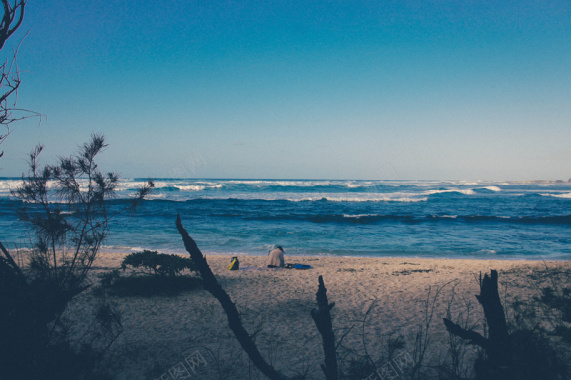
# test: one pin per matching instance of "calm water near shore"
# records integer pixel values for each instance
(505, 220)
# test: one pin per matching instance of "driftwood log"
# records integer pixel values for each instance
(12, 264)
(322, 318)
(211, 284)
(497, 345)
(321, 315)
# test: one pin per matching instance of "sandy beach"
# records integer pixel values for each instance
(376, 301)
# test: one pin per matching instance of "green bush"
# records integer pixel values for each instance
(158, 264)
(161, 275)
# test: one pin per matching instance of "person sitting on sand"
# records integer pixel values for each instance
(276, 258)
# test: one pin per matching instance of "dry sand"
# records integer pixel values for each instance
(376, 299)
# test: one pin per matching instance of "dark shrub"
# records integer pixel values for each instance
(532, 358)
(159, 264)
(159, 274)
(66, 211)
(558, 300)
(146, 286)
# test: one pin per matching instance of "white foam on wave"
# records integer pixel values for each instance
(492, 188)
(190, 187)
(561, 195)
(488, 252)
(351, 184)
(356, 198)
(356, 185)
(156, 195)
(278, 183)
(462, 191)
(357, 216)
(125, 185)
(301, 197)
(8, 184)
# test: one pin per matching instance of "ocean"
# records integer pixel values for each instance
(432, 219)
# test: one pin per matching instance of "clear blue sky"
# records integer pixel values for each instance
(301, 89)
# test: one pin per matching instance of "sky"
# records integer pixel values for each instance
(385, 90)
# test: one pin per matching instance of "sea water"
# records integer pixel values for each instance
(452, 219)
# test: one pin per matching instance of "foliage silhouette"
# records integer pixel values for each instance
(64, 207)
(153, 274)
(517, 355)
(158, 264)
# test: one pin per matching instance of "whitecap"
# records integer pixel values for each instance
(461, 191)
(561, 195)
(190, 187)
(489, 252)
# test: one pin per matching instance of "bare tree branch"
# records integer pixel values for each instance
(11, 13)
(9, 75)
(13, 264)
(322, 319)
(497, 345)
(211, 284)
(472, 336)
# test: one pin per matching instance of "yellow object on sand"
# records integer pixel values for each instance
(235, 264)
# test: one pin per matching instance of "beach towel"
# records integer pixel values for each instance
(297, 266)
